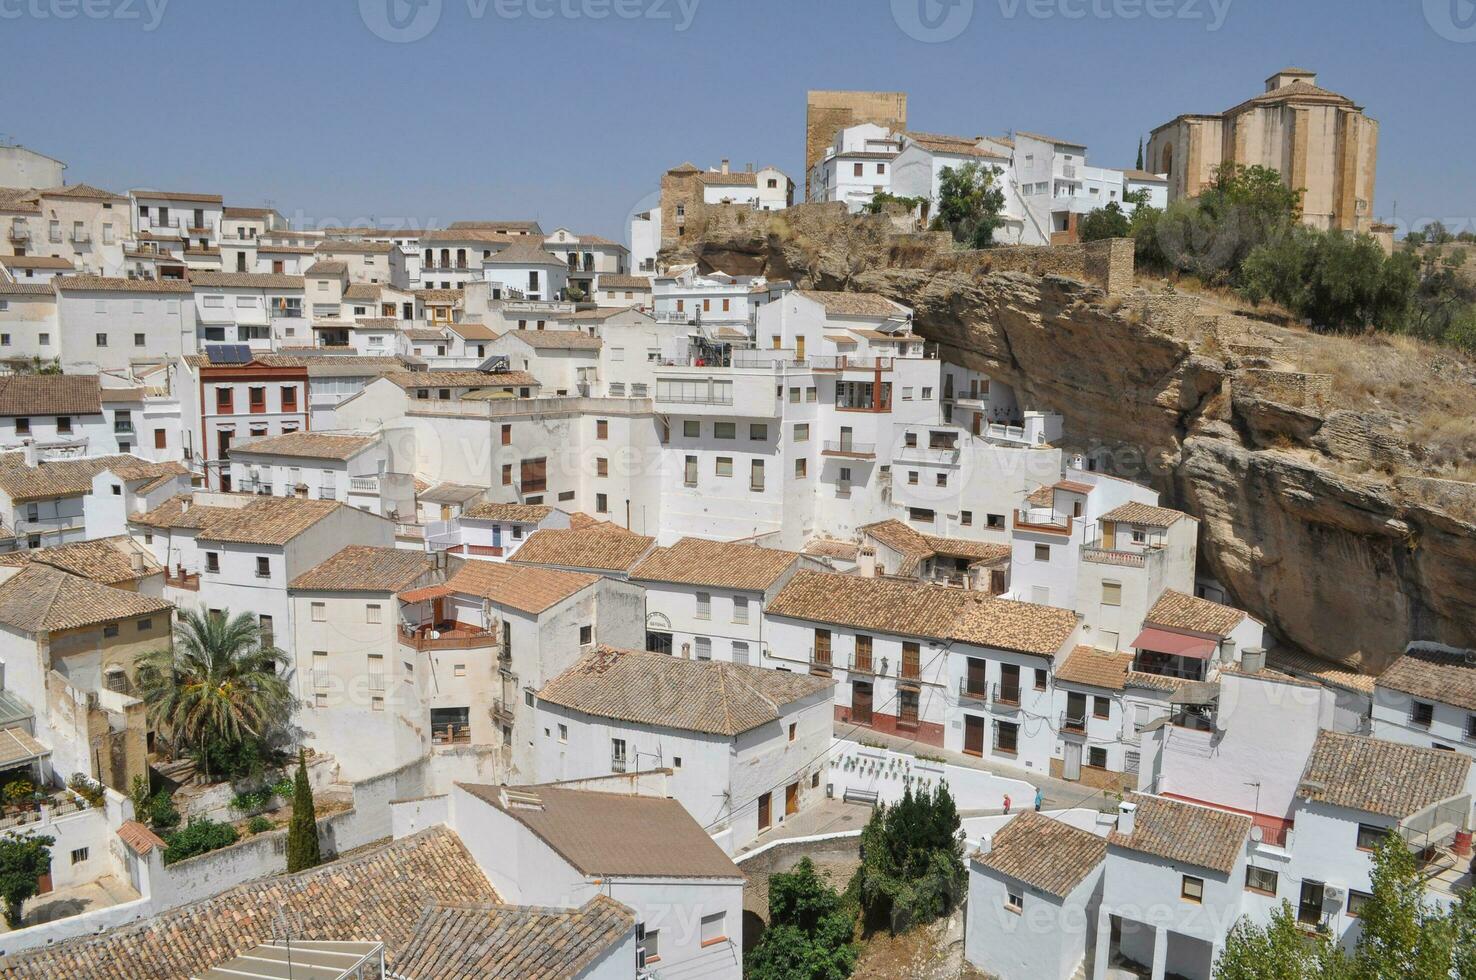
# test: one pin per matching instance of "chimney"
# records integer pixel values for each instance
(986, 844)
(1253, 660)
(136, 562)
(749, 168)
(1125, 814)
(725, 165)
(1227, 651)
(184, 505)
(866, 562)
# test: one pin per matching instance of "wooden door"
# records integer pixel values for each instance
(1109, 535)
(973, 735)
(799, 348)
(43, 884)
(861, 702)
(765, 819)
(791, 799)
(978, 422)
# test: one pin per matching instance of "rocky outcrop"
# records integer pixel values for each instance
(1297, 520)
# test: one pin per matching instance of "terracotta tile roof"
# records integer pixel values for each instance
(379, 894)
(154, 195)
(81, 192)
(250, 520)
(1006, 624)
(1197, 835)
(710, 696)
(1176, 610)
(366, 248)
(1134, 174)
(52, 394)
(854, 304)
(472, 330)
(1044, 853)
(246, 280)
(614, 550)
(73, 477)
(42, 599)
(453, 378)
(108, 284)
(830, 548)
(531, 227)
(361, 290)
(311, 445)
(916, 547)
(1146, 514)
(958, 145)
(611, 280)
(524, 250)
(235, 212)
(1447, 677)
(1323, 671)
(437, 297)
(514, 942)
(722, 564)
(1095, 668)
(422, 335)
(452, 235)
(515, 513)
(360, 568)
(327, 267)
(1377, 776)
(449, 493)
(26, 289)
(138, 838)
(595, 316)
(35, 262)
(915, 609)
(556, 339)
(1049, 139)
(107, 561)
(1153, 682)
(531, 590)
(602, 834)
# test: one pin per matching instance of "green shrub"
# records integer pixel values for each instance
(19, 791)
(91, 792)
(259, 825)
(252, 801)
(162, 813)
(199, 836)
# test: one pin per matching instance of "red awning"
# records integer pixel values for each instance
(1178, 644)
(425, 594)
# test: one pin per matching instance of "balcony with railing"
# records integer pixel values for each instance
(1137, 554)
(502, 711)
(821, 663)
(179, 578)
(1042, 519)
(20, 234)
(830, 363)
(1074, 722)
(81, 236)
(618, 763)
(450, 734)
(972, 690)
(849, 449)
(447, 636)
(1005, 695)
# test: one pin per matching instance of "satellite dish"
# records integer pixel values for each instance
(1257, 834)
(435, 634)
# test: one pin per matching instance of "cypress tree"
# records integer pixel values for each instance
(302, 835)
(1140, 153)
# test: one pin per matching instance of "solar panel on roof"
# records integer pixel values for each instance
(228, 353)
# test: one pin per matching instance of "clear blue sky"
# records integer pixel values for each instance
(571, 120)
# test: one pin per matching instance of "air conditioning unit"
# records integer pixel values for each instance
(1333, 895)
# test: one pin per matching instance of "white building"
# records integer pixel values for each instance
(1034, 889)
(563, 845)
(114, 324)
(238, 552)
(565, 362)
(1428, 698)
(856, 166)
(364, 691)
(357, 468)
(1172, 887)
(918, 173)
(255, 309)
(495, 532)
(745, 746)
(705, 600)
(45, 503)
(946, 667)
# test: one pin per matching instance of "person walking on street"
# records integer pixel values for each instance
(1039, 797)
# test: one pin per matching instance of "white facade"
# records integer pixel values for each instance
(112, 324)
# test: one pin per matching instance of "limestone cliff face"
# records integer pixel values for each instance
(1344, 566)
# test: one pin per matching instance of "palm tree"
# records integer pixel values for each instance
(219, 685)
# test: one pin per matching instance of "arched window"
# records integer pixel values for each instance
(1168, 160)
